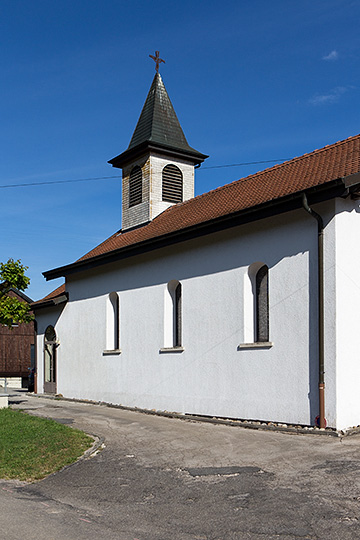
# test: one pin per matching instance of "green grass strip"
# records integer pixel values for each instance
(32, 447)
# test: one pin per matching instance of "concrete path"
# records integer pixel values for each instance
(160, 479)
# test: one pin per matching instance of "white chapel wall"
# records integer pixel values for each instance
(212, 376)
(347, 312)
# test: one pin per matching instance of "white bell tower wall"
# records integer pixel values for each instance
(152, 204)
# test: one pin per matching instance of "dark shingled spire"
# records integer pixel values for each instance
(158, 128)
(158, 121)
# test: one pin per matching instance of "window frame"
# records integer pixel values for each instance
(112, 324)
(256, 307)
(173, 317)
(261, 307)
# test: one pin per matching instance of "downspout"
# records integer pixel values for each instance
(320, 223)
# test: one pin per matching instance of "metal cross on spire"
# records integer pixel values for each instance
(157, 60)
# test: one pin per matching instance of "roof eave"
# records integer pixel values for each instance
(51, 302)
(353, 180)
(332, 189)
(130, 154)
(24, 297)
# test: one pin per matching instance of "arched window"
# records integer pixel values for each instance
(173, 317)
(262, 304)
(135, 186)
(256, 304)
(172, 184)
(113, 322)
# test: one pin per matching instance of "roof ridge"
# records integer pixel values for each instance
(266, 171)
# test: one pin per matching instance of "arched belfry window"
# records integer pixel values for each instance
(173, 314)
(172, 184)
(256, 304)
(135, 186)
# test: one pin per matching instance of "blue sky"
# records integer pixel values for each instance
(249, 80)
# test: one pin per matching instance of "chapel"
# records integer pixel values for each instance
(240, 303)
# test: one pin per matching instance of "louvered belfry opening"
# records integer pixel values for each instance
(135, 186)
(172, 184)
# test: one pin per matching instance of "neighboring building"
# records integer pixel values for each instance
(17, 349)
(241, 302)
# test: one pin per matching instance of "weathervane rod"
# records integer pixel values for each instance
(157, 60)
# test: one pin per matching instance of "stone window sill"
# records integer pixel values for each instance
(171, 350)
(257, 345)
(111, 352)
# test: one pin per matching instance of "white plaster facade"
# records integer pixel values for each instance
(213, 375)
(347, 305)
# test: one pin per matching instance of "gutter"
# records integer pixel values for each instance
(321, 336)
(50, 302)
(352, 182)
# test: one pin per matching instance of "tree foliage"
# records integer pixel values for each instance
(13, 310)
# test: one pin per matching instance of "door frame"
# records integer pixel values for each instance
(50, 346)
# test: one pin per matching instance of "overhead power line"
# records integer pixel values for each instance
(59, 181)
(247, 163)
(49, 182)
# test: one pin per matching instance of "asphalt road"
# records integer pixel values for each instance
(157, 478)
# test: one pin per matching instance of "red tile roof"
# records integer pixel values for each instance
(57, 292)
(329, 163)
(54, 294)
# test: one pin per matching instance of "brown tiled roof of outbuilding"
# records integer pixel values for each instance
(310, 170)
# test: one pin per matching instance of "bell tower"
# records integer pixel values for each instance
(158, 166)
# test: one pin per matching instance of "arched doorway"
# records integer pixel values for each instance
(50, 361)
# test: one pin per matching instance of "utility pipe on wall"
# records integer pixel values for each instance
(320, 223)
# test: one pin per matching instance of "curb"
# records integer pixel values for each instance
(247, 424)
